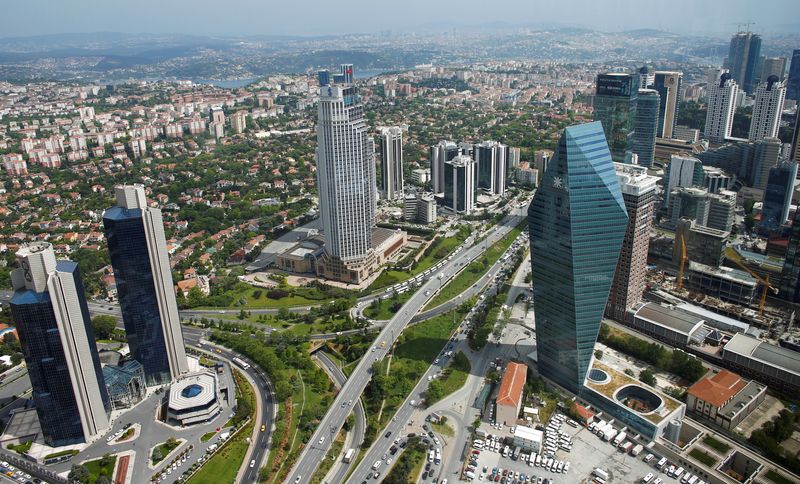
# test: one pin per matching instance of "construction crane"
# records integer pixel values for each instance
(731, 254)
(683, 259)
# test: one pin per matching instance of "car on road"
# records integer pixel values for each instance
(388, 434)
(321, 440)
(297, 479)
(263, 428)
(252, 463)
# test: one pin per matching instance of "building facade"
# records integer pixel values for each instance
(647, 122)
(492, 166)
(682, 171)
(439, 154)
(55, 331)
(722, 95)
(460, 189)
(390, 141)
(615, 107)
(346, 183)
(138, 251)
(767, 109)
(668, 85)
(793, 79)
(778, 195)
(577, 222)
(639, 194)
(743, 59)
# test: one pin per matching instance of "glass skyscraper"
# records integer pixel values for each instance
(778, 195)
(793, 80)
(138, 251)
(577, 222)
(52, 319)
(743, 58)
(644, 136)
(615, 107)
(668, 84)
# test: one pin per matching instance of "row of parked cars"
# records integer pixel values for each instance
(17, 474)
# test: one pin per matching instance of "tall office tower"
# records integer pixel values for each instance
(217, 115)
(795, 153)
(639, 194)
(721, 106)
(323, 77)
(577, 221)
(645, 132)
(767, 109)
(778, 195)
(682, 171)
(345, 75)
(391, 146)
(491, 158)
(646, 77)
(513, 158)
(743, 57)
(138, 251)
(346, 181)
(439, 154)
(615, 107)
(767, 154)
(52, 320)
(790, 276)
(793, 80)
(668, 85)
(459, 184)
(541, 159)
(773, 66)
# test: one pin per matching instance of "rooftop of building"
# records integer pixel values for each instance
(193, 390)
(512, 384)
(726, 273)
(718, 388)
(708, 231)
(633, 179)
(527, 433)
(670, 317)
(769, 354)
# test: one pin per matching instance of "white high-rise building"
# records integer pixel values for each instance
(459, 184)
(52, 319)
(722, 94)
(391, 146)
(346, 183)
(767, 109)
(682, 171)
(439, 154)
(137, 248)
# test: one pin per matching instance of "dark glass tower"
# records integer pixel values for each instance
(668, 84)
(52, 319)
(615, 107)
(644, 136)
(793, 81)
(577, 222)
(137, 248)
(778, 195)
(743, 57)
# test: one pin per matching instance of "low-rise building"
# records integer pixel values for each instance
(771, 364)
(509, 398)
(528, 439)
(724, 398)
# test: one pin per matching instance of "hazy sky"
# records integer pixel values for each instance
(316, 17)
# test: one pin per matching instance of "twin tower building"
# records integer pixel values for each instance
(50, 310)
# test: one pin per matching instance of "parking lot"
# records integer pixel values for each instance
(588, 452)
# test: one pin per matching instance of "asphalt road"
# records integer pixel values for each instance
(402, 418)
(329, 426)
(359, 429)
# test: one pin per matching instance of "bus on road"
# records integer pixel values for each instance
(241, 364)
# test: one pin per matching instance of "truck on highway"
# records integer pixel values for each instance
(348, 456)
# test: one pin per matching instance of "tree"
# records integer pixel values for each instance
(106, 460)
(647, 377)
(157, 456)
(628, 372)
(104, 326)
(103, 479)
(598, 354)
(79, 473)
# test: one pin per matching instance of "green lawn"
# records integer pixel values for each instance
(471, 274)
(164, 448)
(207, 436)
(409, 464)
(385, 309)
(703, 457)
(443, 429)
(716, 444)
(455, 375)
(96, 469)
(222, 468)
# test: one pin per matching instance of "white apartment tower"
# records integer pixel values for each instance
(492, 160)
(390, 141)
(767, 109)
(722, 94)
(346, 182)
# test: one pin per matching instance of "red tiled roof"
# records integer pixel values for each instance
(719, 388)
(512, 384)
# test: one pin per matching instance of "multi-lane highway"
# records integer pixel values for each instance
(320, 442)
